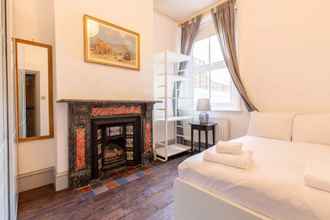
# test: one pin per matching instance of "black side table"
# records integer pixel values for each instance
(202, 127)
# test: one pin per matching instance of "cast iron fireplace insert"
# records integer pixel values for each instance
(116, 144)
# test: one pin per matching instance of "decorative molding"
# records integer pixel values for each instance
(35, 179)
(102, 101)
(118, 110)
(81, 146)
(147, 136)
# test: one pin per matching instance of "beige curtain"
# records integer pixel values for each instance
(189, 31)
(224, 20)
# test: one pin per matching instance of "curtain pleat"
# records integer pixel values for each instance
(189, 31)
(224, 21)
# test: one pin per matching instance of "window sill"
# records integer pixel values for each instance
(227, 110)
(223, 110)
(236, 107)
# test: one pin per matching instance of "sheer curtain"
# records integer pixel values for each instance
(224, 20)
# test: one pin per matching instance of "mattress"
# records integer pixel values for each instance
(273, 187)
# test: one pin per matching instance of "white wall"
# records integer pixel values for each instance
(284, 54)
(33, 20)
(79, 80)
(166, 33)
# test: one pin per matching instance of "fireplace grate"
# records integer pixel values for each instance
(117, 144)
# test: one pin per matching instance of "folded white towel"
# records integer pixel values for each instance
(317, 175)
(229, 147)
(242, 161)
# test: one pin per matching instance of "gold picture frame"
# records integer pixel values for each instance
(109, 44)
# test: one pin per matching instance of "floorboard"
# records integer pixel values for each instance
(150, 197)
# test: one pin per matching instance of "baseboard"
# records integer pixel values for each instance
(35, 179)
(62, 181)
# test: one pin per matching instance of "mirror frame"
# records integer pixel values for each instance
(50, 90)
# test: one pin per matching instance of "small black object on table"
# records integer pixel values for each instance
(206, 127)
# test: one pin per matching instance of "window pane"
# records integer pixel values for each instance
(201, 51)
(216, 53)
(221, 86)
(201, 86)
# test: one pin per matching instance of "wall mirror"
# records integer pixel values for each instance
(34, 80)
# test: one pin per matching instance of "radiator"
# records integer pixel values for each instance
(223, 130)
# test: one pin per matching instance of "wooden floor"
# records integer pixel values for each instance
(150, 198)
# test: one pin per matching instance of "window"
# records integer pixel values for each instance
(211, 78)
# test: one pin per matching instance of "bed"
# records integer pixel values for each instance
(272, 189)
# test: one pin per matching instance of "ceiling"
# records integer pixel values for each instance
(179, 10)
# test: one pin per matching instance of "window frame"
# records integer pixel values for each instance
(207, 31)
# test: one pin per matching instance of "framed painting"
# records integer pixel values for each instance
(109, 44)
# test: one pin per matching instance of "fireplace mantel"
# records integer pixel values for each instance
(80, 114)
(106, 101)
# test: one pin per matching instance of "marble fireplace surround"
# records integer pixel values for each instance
(80, 115)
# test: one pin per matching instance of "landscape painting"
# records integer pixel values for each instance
(109, 44)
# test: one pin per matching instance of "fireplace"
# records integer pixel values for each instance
(116, 143)
(105, 136)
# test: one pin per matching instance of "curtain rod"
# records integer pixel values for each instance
(204, 11)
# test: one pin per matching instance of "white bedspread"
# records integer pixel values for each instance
(274, 186)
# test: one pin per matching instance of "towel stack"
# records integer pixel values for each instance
(230, 154)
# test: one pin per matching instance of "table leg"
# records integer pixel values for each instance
(206, 139)
(192, 140)
(199, 140)
(213, 135)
